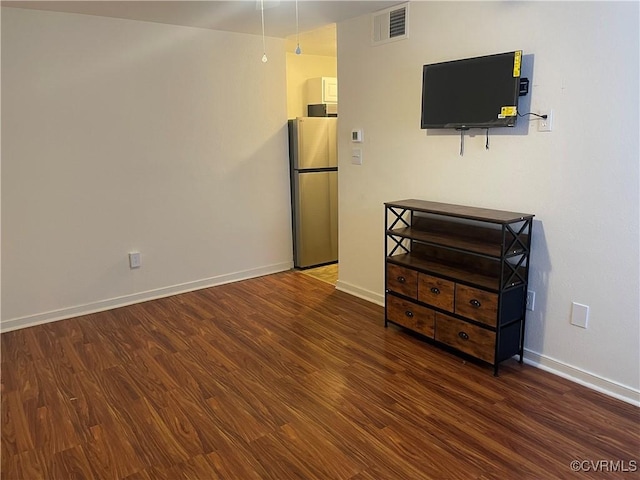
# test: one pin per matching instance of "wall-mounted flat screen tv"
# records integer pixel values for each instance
(480, 92)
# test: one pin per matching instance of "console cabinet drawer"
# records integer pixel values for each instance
(410, 315)
(436, 291)
(402, 280)
(477, 304)
(466, 337)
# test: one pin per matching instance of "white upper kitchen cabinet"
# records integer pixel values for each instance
(322, 90)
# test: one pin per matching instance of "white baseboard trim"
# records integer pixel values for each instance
(535, 359)
(556, 367)
(587, 379)
(360, 292)
(122, 301)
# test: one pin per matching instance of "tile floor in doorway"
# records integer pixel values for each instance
(326, 273)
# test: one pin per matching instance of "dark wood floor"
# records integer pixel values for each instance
(284, 377)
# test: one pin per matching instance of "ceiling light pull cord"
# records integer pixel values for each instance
(298, 51)
(264, 48)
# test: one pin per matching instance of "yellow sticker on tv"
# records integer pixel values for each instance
(508, 111)
(517, 60)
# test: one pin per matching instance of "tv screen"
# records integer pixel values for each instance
(480, 92)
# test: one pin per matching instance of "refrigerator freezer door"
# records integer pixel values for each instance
(316, 218)
(315, 143)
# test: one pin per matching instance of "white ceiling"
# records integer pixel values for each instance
(242, 16)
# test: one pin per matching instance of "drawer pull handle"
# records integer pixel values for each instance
(475, 303)
(463, 335)
(435, 291)
(401, 279)
(409, 313)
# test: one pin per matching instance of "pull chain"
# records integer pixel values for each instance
(298, 51)
(264, 48)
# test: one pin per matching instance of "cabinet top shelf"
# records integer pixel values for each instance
(461, 211)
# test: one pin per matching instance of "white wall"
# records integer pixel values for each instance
(121, 135)
(581, 180)
(300, 68)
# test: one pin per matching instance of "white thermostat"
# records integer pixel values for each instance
(356, 136)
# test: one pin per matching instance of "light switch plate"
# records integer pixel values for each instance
(356, 156)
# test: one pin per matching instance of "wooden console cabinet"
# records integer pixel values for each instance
(458, 275)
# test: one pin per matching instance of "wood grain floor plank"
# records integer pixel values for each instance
(283, 377)
(237, 419)
(96, 355)
(210, 354)
(110, 456)
(256, 398)
(177, 373)
(238, 462)
(280, 463)
(208, 428)
(16, 437)
(26, 465)
(299, 439)
(72, 463)
(148, 378)
(181, 427)
(151, 436)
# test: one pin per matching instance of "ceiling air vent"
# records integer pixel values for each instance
(390, 24)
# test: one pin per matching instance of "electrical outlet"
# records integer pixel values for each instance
(531, 300)
(134, 260)
(545, 124)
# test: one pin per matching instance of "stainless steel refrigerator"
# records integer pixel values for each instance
(313, 156)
